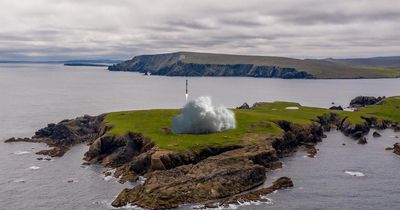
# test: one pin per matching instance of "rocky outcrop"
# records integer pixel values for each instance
(243, 106)
(295, 135)
(396, 148)
(63, 135)
(174, 64)
(134, 154)
(216, 177)
(362, 140)
(336, 108)
(355, 131)
(114, 151)
(361, 101)
(255, 195)
(375, 134)
(311, 150)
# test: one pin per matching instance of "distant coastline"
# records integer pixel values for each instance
(93, 62)
(86, 64)
(228, 65)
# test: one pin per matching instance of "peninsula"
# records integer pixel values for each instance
(209, 64)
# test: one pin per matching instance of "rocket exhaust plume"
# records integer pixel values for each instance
(200, 116)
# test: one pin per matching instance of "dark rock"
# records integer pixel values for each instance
(362, 140)
(53, 152)
(376, 134)
(343, 144)
(115, 151)
(389, 148)
(311, 150)
(336, 108)
(63, 135)
(356, 131)
(396, 148)
(361, 101)
(216, 177)
(396, 127)
(244, 106)
(10, 140)
(296, 135)
(40, 158)
(281, 183)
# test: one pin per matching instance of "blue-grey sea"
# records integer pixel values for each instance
(32, 95)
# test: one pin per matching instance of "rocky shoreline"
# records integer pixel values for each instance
(67, 133)
(216, 175)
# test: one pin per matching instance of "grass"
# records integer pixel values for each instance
(386, 71)
(320, 69)
(250, 123)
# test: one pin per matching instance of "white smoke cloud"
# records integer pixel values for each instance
(200, 116)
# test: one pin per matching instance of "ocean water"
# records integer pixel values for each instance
(33, 95)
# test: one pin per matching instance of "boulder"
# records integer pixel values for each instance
(244, 106)
(311, 150)
(376, 134)
(336, 108)
(362, 140)
(396, 148)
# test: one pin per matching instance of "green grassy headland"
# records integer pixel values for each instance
(259, 121)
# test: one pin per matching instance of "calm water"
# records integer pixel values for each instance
(34, 95)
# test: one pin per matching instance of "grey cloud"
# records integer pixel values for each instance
(336, 17)
(50, 29)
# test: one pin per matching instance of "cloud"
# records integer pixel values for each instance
(296, 28)
(199, 116)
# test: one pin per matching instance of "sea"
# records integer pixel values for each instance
(349, 176)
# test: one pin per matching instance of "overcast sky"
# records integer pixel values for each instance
(69, 29)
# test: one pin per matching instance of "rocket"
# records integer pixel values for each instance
(186, 90)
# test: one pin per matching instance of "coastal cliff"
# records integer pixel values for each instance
(210, 64)
(174, 65)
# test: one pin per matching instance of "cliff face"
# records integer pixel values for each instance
(174, 64)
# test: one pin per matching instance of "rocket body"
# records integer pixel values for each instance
(186, 95)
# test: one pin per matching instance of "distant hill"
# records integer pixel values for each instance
(393, 61)
(209, 64)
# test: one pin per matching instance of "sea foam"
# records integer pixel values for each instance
(354, 173)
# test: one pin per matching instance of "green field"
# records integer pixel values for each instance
(318, 68)
(260, 121)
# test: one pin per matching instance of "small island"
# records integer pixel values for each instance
(211, 169)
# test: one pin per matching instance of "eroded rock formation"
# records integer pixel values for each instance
(63, 135)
